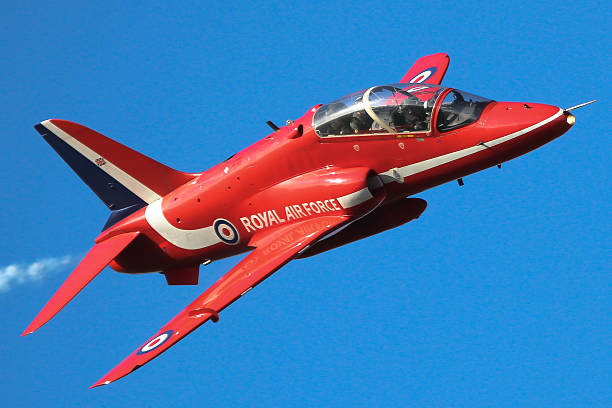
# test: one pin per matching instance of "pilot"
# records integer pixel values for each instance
(418, 118)
(360, 121)
(451, 112)
(340, 126)
(410, 118)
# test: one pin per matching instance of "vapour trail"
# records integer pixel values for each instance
(19, 273)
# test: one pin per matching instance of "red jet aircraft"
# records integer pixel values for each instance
(338, 174)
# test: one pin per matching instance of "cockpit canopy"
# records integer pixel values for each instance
(459, 109)
(395, 108)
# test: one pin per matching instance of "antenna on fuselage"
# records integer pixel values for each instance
(272, 125)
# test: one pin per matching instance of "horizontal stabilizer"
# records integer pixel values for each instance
(96, 259)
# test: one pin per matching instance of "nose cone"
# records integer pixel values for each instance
(539, 123)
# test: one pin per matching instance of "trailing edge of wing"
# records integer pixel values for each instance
(96, 259)
(273, 250)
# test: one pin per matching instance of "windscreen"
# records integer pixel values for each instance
(459, 109)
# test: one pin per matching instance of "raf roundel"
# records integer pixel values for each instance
(423, 75)
(155, 342)
(226, 231)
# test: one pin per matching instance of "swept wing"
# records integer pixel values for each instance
(273, 250)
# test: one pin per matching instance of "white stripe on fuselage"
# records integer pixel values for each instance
(186, 239)
(205, 237)
(409, 170)
(135, 186)
(356, 198)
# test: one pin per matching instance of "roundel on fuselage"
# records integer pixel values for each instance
(226, 231)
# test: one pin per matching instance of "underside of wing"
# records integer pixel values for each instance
(429, 69)
(273, 249)
(96, 259)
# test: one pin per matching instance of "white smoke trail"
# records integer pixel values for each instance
(17, 274)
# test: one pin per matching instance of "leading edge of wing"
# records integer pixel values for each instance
(273, 250)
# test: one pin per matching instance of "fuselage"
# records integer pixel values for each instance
(295, 173)
(342, 172)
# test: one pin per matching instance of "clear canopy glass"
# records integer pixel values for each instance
(459, 109)
(395, 108)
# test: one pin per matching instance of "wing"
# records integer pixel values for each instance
(273, 250)
(429, 69)
(96, 259)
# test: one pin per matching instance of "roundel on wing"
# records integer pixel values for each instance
(155, 342)
(226, 231)
(423, 75)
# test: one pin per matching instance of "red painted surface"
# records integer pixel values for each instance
(390, 216)
(269, 256)
(440, 61)
(96, 259)
(158, 177)
(183, 276)
(283, 195)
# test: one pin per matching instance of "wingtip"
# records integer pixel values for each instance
(31, 328)
(112, 376)
(39, 321)
(100, 383)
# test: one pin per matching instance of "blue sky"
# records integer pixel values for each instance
(499, 295)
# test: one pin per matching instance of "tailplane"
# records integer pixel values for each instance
(96, 259)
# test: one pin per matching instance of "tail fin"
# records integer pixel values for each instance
(122, 178)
